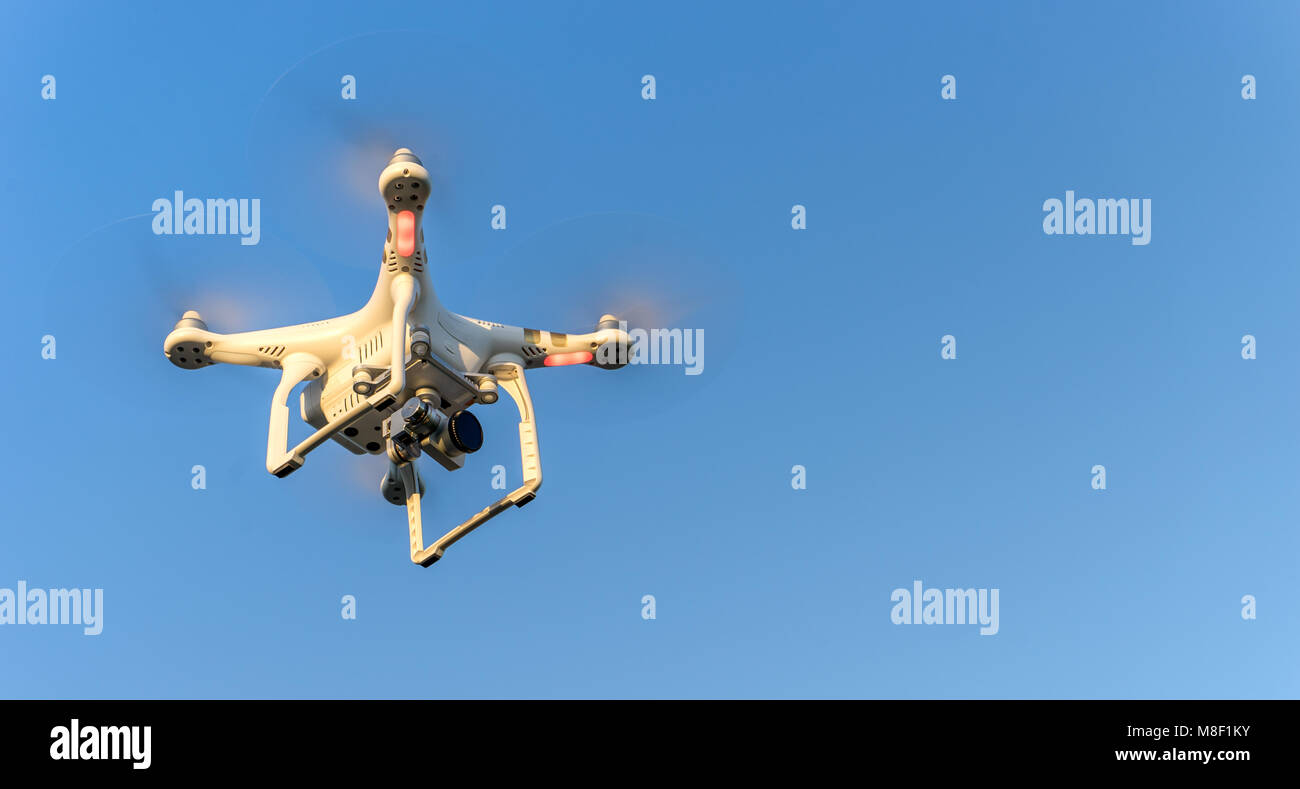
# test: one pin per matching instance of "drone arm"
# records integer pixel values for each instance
(511, 376)
(404, 292)
(607, 347)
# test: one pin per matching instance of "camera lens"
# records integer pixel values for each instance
(466, 432)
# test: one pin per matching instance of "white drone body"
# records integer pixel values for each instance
(398, 375)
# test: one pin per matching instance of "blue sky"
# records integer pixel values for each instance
(822, 348)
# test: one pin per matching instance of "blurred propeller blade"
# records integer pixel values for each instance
(234, 287)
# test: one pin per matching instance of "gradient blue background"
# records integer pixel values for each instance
(822, 348)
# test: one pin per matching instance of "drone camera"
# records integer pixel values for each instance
(453, 437)
(420, 425)
(465, 432)
(456, 436)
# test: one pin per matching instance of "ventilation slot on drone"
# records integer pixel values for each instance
(273, 351)
(345, 405)
(372, 346)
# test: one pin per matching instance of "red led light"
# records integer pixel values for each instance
(406, 234)
(562, 359)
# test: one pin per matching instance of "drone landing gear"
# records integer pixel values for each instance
(511, 378)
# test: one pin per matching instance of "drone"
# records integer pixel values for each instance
(398, 376)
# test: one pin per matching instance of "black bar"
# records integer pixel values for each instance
(995, 738)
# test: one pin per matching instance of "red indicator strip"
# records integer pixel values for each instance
(563, 359)
(406, 234)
